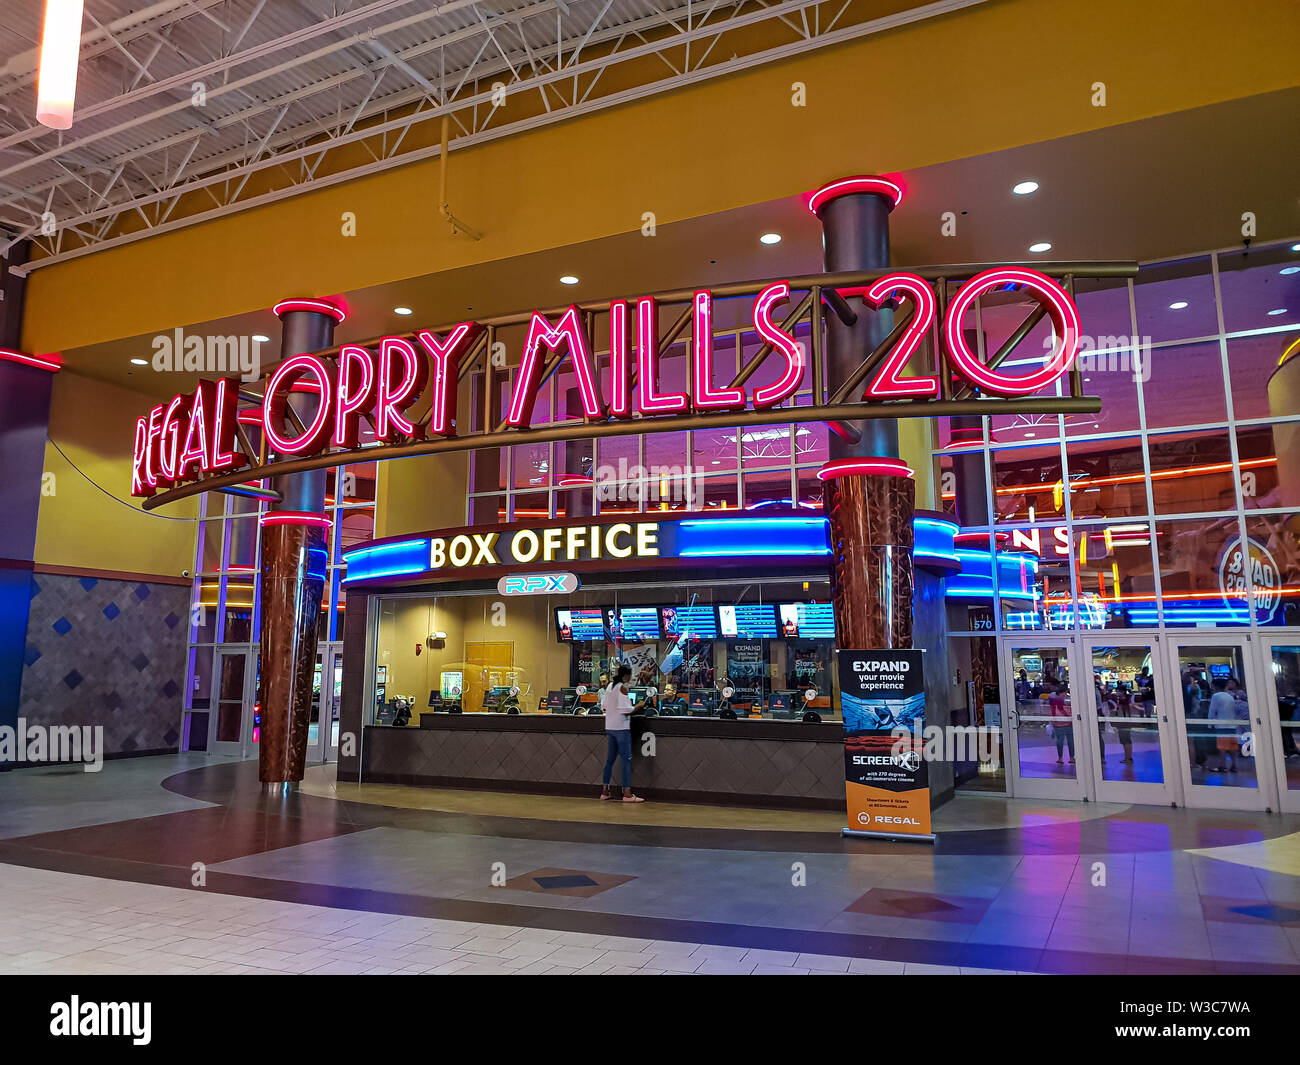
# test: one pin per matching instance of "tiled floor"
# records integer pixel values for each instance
(99, 873)
(65, 923)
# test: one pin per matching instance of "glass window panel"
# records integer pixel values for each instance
(1028, 483)
(764, 445)
(715, 449)
(1044, 729)
(487, 510)
(1191, 472)
(1128, 728)
(244, 534)
(1193, 591)
(1286, 686)
(212, 548)
(1183, 385)
(1216, 695)
(1107, 478)
(1115, 569)
(1175, 301)
(359, 483)
(1033, 577)
(809, 489)
(199, 696)
(203, 610)
(1104, 311)
(1267, 453)
(355, 525)
(721, 493)
(532, 465)
(767, 490)
(1259, 389)
(811, 443)
(532, 506)
(1253, 287)
(1112, 376)
(947, 485)
(1274, 568)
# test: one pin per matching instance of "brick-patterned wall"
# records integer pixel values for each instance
(107, 652)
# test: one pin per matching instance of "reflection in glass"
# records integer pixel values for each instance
(1044, 713)
(1128, 729)
(1286, 683)
(1216, 716)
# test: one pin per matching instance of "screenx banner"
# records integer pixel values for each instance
(886, 779)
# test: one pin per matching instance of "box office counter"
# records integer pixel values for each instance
(760, 762)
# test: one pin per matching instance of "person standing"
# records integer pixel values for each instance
(1223, 709)
(1062, 720)
(617, 706)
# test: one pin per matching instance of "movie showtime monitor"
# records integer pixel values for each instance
(311, 407)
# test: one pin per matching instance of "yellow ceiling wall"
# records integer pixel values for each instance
(1002, 74)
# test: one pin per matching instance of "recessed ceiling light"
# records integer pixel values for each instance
(770, 238)
(403, 311)
(1291, 269)
(568, 279)
(1025, 188)
(1029, 434)
(139, 362)
(1274, 313)
(1295, 247)
(1178, 305)
(261, 338)
(1042, 245)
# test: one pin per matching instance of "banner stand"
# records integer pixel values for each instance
(886, 777)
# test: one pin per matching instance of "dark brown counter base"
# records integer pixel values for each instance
(565, 756)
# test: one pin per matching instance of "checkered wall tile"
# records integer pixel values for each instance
(107, 652)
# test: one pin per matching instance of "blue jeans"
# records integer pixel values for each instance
(619, 745)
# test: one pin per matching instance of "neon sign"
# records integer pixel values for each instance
(192, 436)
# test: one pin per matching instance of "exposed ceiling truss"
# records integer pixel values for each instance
(190, 110)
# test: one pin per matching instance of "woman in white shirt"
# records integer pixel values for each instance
(617, 707)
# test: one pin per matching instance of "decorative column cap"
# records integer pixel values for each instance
(849, 186)
(316, 306)
(295, 517)
(49, 363)
(864, 466)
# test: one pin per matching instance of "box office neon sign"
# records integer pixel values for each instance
(192, 435)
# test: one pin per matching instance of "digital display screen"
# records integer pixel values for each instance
(811, 621)
(640, 622)
(693, 622)
(579, 624)
(747, 621)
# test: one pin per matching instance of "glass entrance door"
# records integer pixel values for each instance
(327, 693)
(1134, 755)
(1282, 697)
(1047, 743)
(1220, 716)
(231, 726)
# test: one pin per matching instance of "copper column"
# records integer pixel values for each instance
(869, 494)
(294, 538)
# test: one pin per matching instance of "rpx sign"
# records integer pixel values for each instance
(332, 397)
(538, 584)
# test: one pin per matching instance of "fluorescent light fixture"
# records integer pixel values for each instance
(56, 81)
(1178, 305)
(1041, 246)
(568, 279)
(1025, 188)
(403, 311)
(139, 362)
(1290, 270)
(770, 238)
(1276, 311)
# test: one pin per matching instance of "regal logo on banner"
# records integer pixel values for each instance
(886, 779)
